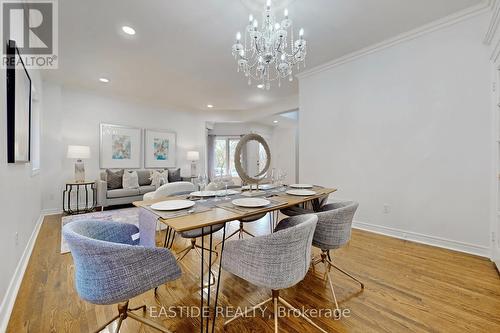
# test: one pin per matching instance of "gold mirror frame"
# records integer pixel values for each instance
(237, 159)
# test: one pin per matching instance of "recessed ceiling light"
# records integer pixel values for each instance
(210, 106)
(275, 121)
(103, 80)
(128, 30)
(260, 86)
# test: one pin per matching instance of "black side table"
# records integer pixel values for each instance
(81, 188)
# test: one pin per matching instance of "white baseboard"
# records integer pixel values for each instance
(51, 211)
(15, 283)
(449, 244)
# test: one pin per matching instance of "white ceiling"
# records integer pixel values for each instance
(181, 54)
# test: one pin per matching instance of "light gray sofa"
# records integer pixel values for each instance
(122, 196)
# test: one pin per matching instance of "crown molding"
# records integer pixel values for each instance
(407, 36)
(494, 22)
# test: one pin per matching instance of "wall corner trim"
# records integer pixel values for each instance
(15, 283)
(447, 21)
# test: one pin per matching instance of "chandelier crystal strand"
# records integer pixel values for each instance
(266, 54)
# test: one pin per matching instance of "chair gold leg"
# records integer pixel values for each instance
(246, 232)
(125, 312)
(232, 235)
(275, 299)
(106, 325)
(247, 311)
(143, 307)
(211, 274)
(288, 305)
(238, 232)
(347, 274)
(148, 322)
(276, 315)
(207, 249)
(119, 325)
(331, 288)
(184, 251)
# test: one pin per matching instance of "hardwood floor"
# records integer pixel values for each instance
(409, 288)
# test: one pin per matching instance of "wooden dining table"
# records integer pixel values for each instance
(220, 212)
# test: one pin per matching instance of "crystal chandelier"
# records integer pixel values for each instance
(269, 52)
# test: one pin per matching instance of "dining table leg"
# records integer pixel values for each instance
(218, 278)
(209, 289)
(167, 237)
(202, 283)
(205, 309)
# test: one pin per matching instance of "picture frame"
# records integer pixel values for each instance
(19, 95)
(120, 147)
(160, 149)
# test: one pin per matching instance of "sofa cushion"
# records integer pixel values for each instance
(174, 175)
(130, 179)
(159, 177)
(123, 192)
(114, 179)
(144, 177)
(146, 189)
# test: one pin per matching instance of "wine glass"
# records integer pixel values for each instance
(227, 196)
(218, 187)
(202, 183)
(274, 180)
(283, 179)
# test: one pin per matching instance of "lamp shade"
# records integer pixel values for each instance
(193, 156)
(78, 152)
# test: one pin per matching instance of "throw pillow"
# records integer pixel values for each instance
(130, 179)
(114, 179)
(174, 175)
(158, 178)
(144, 177)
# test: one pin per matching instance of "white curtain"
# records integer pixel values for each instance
(211, 156)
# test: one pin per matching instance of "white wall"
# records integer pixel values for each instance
(20, 204)
(283, 150)
(408, 127)
(240, 128)
(73, 117)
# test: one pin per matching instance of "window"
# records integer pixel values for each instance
(224, 156)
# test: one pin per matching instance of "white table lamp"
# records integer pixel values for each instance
(79, 153)
(193, 156)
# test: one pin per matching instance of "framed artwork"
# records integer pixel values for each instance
(18, 107)
(160, 149)
(120, 147)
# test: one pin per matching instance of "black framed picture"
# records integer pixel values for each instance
(18, 107)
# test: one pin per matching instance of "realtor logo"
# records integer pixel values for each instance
(33, 27)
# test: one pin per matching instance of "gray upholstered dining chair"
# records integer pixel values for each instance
(276, 261)
(111, 268)
(332, 232)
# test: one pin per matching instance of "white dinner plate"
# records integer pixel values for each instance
(173, 205)
(301, 186)
(221, 193)
(302, 193)
(251, 202)
(203, 194)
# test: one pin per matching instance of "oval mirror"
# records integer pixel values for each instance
(252, 158)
